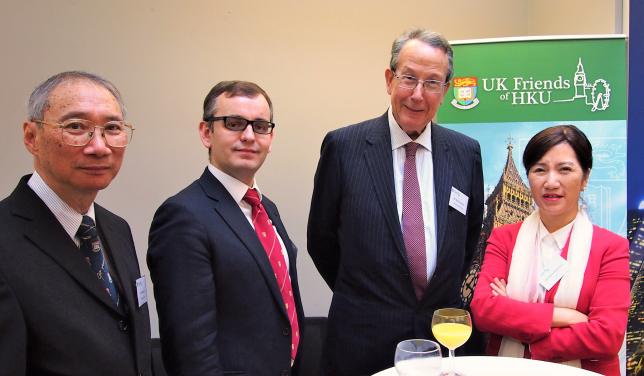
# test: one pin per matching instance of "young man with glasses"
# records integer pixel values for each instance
(396, 214)
(221, 261)
(68, 267)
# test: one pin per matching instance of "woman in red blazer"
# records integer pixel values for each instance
(544, 312)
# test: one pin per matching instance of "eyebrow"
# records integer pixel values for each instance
(256, 119)
(432, 75)
(558, 164)
(83, 115)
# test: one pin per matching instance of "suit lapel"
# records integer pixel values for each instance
(381, 169)
(230, 212)
(442, 161)
(49, 235)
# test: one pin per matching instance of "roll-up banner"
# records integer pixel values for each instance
(504, 91)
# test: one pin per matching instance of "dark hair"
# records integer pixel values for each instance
(543, 141)
(38, 101)
(429, 37)
(232, 89)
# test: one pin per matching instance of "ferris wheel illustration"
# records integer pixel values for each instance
(600, 95)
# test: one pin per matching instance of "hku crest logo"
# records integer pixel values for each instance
(465, 93)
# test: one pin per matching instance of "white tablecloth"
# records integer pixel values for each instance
(499, 366)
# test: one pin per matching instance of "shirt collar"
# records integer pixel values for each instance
(399, 138)
(236, 188)
(69, 218)
(560, 236)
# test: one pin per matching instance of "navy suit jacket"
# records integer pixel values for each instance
(355, 240)
(219, 304)
(55, 316)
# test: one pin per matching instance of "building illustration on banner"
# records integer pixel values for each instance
(510, 202)
(599, 91)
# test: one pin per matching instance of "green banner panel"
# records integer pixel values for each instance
(537, 80)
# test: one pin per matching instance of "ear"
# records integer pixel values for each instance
(30, 135)
(584, 181)
(389, 77)
(205, 133)
(270, 147)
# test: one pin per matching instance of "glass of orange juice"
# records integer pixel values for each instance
(452, 327)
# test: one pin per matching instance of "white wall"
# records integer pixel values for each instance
(322, 63)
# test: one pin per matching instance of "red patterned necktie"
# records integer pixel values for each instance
(412, 223)
(266, 233)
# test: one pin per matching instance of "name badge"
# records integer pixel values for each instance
(553, 272)
(458, 200)
(141, 292)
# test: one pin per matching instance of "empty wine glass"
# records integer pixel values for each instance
(418, 357)
(452, 327)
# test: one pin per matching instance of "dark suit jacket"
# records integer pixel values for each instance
(220, 308)
(55, 316)
(355, 240)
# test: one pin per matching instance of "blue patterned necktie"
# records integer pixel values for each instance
(90, 245)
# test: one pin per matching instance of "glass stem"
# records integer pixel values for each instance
(451, 368)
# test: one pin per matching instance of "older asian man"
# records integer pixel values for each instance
(68, 268)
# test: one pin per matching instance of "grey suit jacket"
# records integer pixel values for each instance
(55, 316)
(219, 304)
(355, 240)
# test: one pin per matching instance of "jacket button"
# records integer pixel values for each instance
(122, 325)
(286, 331)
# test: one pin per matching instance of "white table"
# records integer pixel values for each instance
(500, 366)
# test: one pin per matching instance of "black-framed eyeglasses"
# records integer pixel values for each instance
(410, 83)
(79, 132)
(239, 124)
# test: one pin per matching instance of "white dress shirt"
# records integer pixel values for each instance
(550, 246)
(69, 218)
(238, 190)
(425, 170)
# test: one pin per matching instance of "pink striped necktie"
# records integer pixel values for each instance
(412, 223)
(266, 234)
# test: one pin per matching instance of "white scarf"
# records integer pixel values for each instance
(524, 264)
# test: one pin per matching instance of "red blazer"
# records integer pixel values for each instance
(604, 297)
